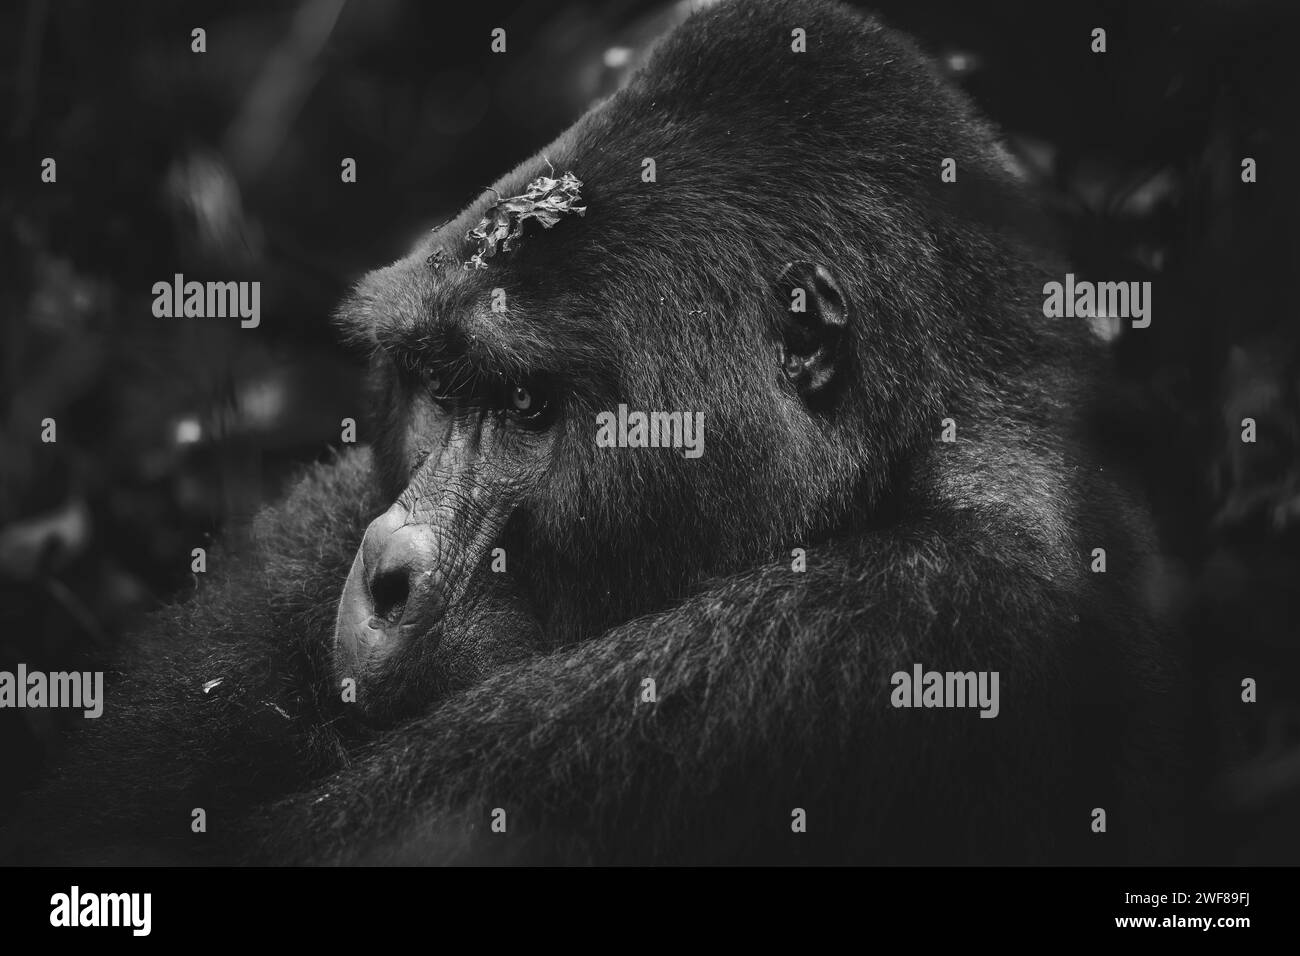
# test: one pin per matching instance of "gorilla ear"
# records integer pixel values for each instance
(813, 328)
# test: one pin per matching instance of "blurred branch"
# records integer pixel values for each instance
(280, 90)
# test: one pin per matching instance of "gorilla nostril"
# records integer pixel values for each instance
(398, 588)
(389, 591)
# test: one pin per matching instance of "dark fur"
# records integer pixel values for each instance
(773, 685)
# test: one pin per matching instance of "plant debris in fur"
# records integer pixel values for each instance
(547, 200)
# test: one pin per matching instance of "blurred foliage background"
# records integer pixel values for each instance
(226, 165)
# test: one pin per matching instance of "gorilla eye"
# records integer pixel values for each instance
(440, 389)
(528, 403)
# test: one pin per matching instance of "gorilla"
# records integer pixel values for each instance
(491, 639)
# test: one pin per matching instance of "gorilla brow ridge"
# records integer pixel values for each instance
(446, 350)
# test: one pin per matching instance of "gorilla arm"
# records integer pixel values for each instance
(773, 693)
(215, 704)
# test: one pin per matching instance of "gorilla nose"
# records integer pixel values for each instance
(402, 561)
(395, 591)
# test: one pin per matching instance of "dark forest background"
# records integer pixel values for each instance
(226, 164)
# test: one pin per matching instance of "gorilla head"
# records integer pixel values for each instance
(764, 249)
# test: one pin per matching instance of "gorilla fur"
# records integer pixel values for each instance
(773, 685)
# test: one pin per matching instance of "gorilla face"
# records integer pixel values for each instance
(506, 513)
